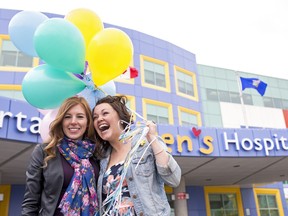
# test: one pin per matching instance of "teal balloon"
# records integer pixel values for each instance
(60, 44)
(46, 87)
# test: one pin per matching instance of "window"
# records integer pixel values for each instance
(157, 111)
(268, 202)
(11, 56)
(155, 74)
(223, 204)
(247, 99)
(222, 201)
(189, 117)
(157, 114)
(285, 104)
(268, 102)
(212, 94)
(268, 205)
(186, 83)
(277, 103)
(235, 97)
(224, 96)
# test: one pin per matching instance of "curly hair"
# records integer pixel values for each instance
(56, 131)
(118, 103)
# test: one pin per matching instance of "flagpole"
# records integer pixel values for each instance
(241, 99)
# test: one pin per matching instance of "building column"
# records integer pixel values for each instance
(180, 202)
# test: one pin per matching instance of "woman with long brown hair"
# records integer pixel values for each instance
(62, 175)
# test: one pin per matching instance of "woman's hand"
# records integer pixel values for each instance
(152, 133)
(159, 152)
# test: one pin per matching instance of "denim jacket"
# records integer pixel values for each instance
(146, 183)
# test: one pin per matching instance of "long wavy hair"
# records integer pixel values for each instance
(56, 131)
(118, 103)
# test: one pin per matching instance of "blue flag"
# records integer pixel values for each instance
(255, 83)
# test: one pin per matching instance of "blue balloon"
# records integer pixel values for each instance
(21, 29)
(109, 88)
(90, 93)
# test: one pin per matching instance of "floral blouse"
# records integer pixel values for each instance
(111, 180)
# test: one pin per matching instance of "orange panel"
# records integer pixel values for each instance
(4, 204)
(285, 113)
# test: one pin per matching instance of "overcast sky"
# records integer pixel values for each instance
(242, 35)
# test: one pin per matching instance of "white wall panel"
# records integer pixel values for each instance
(233, 116)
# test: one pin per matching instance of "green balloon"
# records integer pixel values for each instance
(46, 87)
(60, 44)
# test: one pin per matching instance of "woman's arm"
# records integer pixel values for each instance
(167, 167)
(159, 150)
(34, 183)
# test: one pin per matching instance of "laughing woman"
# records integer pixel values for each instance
(141, 189)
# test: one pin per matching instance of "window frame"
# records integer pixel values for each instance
(166, 71)
(223, 190)
(268, 191)
(195, 97)
(189, 111)
(35, 60)
(146, 101)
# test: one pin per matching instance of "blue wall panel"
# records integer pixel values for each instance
(4, 121)
(19, 76)
(248, 200)
(196, 202)
(7, 78)
(17, 194)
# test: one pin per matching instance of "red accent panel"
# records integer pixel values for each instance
(285, 113)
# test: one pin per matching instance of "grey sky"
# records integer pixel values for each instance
(243, 35)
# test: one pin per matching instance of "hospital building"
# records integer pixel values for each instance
(231, 144)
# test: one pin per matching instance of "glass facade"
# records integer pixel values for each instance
(221, 85)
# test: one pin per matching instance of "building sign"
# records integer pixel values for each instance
(20, 118)
(268, 145)
(223, 142)
(20, 121)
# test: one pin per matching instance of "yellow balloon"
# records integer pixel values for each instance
(109, 54)
(87, 21)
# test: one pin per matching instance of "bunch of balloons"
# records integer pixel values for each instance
(79, 56)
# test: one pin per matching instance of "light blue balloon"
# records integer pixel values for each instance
(91, 93)
(60, 44)
(46, 87)
(109, 88)
(92, 96)
(21, 29)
